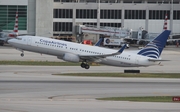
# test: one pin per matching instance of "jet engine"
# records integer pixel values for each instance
(71, 57)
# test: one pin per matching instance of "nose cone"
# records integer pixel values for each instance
(11, 41)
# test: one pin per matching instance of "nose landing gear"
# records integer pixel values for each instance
(22, 54)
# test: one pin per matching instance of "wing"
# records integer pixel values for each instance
(97, 57)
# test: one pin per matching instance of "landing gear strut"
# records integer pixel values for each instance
(85, 65)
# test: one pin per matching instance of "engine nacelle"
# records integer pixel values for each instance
(71, 57)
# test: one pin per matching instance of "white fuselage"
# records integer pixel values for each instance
(59, 48)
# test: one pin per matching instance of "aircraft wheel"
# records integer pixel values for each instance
(87, 66)
(82, 65)
(22, 54)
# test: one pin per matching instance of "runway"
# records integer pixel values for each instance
(34, 92)
(35, 89)
(86, 87)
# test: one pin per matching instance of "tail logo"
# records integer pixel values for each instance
(151, 50)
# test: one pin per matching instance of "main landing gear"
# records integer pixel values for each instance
(85, 65)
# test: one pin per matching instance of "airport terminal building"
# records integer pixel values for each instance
(53, 17)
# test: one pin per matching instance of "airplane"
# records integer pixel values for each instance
(4, 35)
(75, 52)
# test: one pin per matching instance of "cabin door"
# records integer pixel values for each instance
(29, 40)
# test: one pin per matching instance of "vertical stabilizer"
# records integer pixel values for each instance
(154, 48)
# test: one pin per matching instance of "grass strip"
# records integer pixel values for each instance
(138, 75)
(141, 99)
(43, 63)
(39, 63)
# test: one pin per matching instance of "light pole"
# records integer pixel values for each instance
(171, 17)
(98, 19)
(98, 15)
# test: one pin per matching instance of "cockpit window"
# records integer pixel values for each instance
(19, 38)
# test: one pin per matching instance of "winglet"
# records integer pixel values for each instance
(122, 48)
(99, 42)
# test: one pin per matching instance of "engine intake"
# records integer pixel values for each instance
(71, 57)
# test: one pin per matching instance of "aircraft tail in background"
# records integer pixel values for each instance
(15, 31)
(165, 23)
(16, 24)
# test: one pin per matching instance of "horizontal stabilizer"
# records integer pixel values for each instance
(153, 59)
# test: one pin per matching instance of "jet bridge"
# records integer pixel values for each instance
(106, 31)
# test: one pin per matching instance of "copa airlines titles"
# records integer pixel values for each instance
(53, 42)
